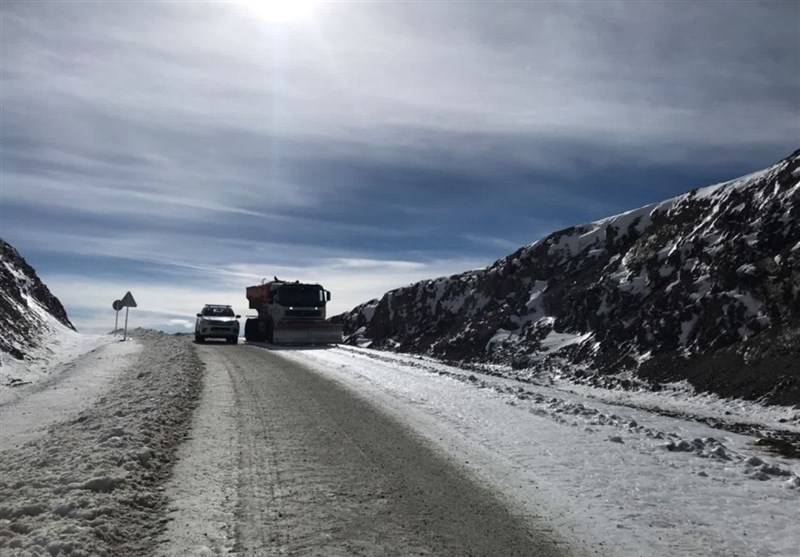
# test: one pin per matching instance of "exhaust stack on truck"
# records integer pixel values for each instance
(290, 313)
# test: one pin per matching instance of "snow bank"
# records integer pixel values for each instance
(71, 387)
(203, 491)
(91, 485)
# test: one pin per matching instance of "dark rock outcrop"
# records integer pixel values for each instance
(24, 304)
(704, 287)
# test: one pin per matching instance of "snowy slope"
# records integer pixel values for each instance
(36, 336)
(704, 288)
(56, 349)
(27, 308)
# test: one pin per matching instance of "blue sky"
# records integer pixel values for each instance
(185, 150)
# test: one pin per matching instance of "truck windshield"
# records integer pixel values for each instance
(301, 295)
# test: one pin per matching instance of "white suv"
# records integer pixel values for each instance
(217, 322)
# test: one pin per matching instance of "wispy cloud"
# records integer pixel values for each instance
(369, 76)
(170, 145)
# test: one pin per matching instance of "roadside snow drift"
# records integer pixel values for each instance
(92, 485)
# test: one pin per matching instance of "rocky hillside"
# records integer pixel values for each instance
(704, 287)
(27, 308)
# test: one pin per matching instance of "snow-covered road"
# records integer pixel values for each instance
(114, 473)
(616, 480)
(321, 472)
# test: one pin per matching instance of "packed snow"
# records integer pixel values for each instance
(202, 491)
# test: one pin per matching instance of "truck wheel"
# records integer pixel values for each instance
(199, 339)
(233, 340)
(251, 330)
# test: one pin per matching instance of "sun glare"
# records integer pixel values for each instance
(281, 11)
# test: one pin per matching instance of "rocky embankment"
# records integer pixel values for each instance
(27, 307)
(704, 288)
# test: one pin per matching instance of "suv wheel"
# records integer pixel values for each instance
(233, 340)
(199, 339)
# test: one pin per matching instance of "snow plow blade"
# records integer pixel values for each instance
(307, 333)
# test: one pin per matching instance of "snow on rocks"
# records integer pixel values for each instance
(28, 310)
(693, 282)
(90, 485)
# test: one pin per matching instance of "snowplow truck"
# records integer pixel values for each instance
(290, 313)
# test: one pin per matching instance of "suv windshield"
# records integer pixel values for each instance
(301, 295)
(218, 312)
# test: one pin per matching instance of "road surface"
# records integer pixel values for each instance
(319, 471)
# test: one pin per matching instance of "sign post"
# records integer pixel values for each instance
(117, 305)
(127, 302)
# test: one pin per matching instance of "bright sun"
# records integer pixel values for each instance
(281, 11)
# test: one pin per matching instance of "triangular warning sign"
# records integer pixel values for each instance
(128, 301)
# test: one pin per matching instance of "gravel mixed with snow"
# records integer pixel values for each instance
(91, 485)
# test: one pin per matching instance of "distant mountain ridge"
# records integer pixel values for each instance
(703, 287)
(27, 307)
